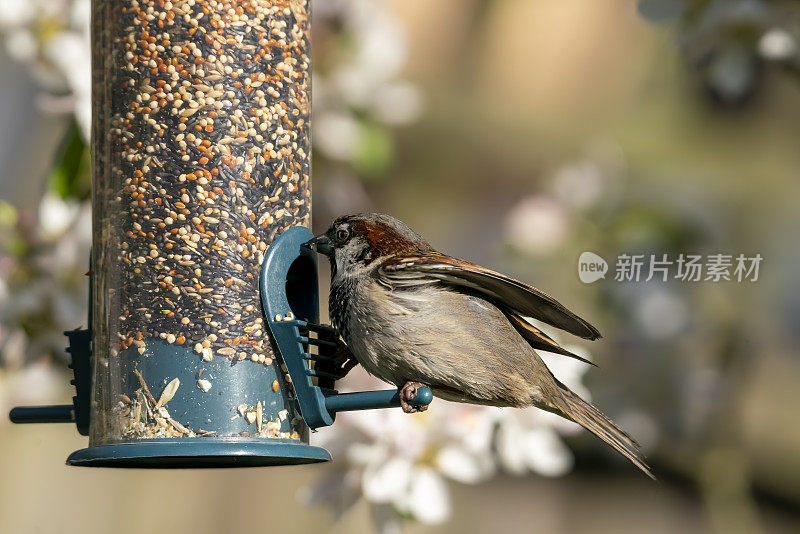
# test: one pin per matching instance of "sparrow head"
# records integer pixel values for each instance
(357, 240)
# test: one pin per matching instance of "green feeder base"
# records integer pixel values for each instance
(193, 453)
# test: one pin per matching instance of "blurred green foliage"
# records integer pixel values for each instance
(71, 175)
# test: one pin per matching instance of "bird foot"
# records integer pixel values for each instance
(343, 359)
(407, 394)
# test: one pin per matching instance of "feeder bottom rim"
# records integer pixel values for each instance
(202, 452)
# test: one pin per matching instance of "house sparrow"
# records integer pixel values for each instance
(415, 317)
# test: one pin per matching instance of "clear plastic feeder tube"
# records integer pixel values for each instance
(201, 157)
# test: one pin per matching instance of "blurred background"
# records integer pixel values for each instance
(516, 134)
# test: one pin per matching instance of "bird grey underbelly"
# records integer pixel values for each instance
(452, 353)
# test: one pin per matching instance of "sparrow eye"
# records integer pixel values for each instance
(342, 234)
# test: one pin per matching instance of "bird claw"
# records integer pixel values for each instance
(407, 394)
(343, 359)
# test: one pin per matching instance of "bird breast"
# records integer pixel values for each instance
(452, 340)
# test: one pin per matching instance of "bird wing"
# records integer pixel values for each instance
(504, 292)
(538, 339)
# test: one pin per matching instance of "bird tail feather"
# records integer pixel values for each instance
(590, 418)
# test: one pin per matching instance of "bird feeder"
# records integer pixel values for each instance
(204, 347)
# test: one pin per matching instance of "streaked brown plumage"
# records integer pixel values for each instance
(411, 315)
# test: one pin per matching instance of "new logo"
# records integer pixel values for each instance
(591, 267)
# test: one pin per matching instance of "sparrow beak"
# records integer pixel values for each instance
(320, 244)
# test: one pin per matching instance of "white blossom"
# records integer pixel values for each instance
(365, 80)
(537, 225)
(777, 44)
(426, 496)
